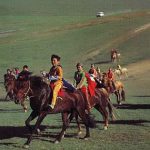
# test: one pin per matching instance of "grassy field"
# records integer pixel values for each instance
(32, 30)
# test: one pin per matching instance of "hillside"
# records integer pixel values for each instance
(32, 30)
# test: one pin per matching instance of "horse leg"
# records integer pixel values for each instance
(32, 116)
(75, 114)
(6, 96)
(110, 109)
(87, 120)
(38, 122)
(123, 95)
(65, 125)
(104, 113)
(78, 123)
(24, 106)
(117, 96)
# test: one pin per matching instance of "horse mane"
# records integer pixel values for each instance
(36, 81)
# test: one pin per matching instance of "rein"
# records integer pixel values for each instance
(28, 90)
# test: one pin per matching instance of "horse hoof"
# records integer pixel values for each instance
(105, 127)
(25, 110)
(38, 131)
(79, 133)
(86, 139)
(56, 142)
(26, 146)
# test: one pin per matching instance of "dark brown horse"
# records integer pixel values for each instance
(40, 95)
(10, 86)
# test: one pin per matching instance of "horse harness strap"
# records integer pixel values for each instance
(29, 89)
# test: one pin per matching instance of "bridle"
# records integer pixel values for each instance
(28, 90)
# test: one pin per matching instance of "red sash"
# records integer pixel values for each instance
(91, 85)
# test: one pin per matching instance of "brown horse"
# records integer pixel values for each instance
(100, 102)
(119, 89)
(11, 85)
(40, 96)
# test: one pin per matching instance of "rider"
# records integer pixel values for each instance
(8, 76)
(55, 76)
(81, 83)
(111, 77)
(24, 74)
(92, 69)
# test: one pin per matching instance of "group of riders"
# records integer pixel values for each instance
(85, 81)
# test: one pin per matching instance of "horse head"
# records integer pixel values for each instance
(22, 90)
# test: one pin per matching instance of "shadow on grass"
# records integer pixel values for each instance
(7, 132)
(140, 96)
(11, 110)
(4, 100)
(132, 106)
(128, 122)
(103, 62)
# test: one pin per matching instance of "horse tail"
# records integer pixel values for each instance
(111, 109)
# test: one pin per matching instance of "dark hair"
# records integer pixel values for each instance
(91, 71)
(25, 66)
(55, 56)
(79, 64)
(8, 69)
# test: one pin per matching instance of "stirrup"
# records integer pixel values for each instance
(51, 106)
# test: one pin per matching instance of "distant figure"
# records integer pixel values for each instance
(16, 72)
(24, 74)
(92, 69)
(99, 74)
(115, 56)
(8, 76)
(121, 72)
(110, 76)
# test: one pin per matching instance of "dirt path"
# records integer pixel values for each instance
(139, 68)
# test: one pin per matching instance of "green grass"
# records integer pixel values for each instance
(30, 31)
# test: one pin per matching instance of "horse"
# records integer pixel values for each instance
(102, 104)
(115, 57)
(118, 91)
(40, 95)
(121, 72)
(11, 86)
(8, 86)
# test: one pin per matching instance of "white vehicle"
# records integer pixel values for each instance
(100, 14)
